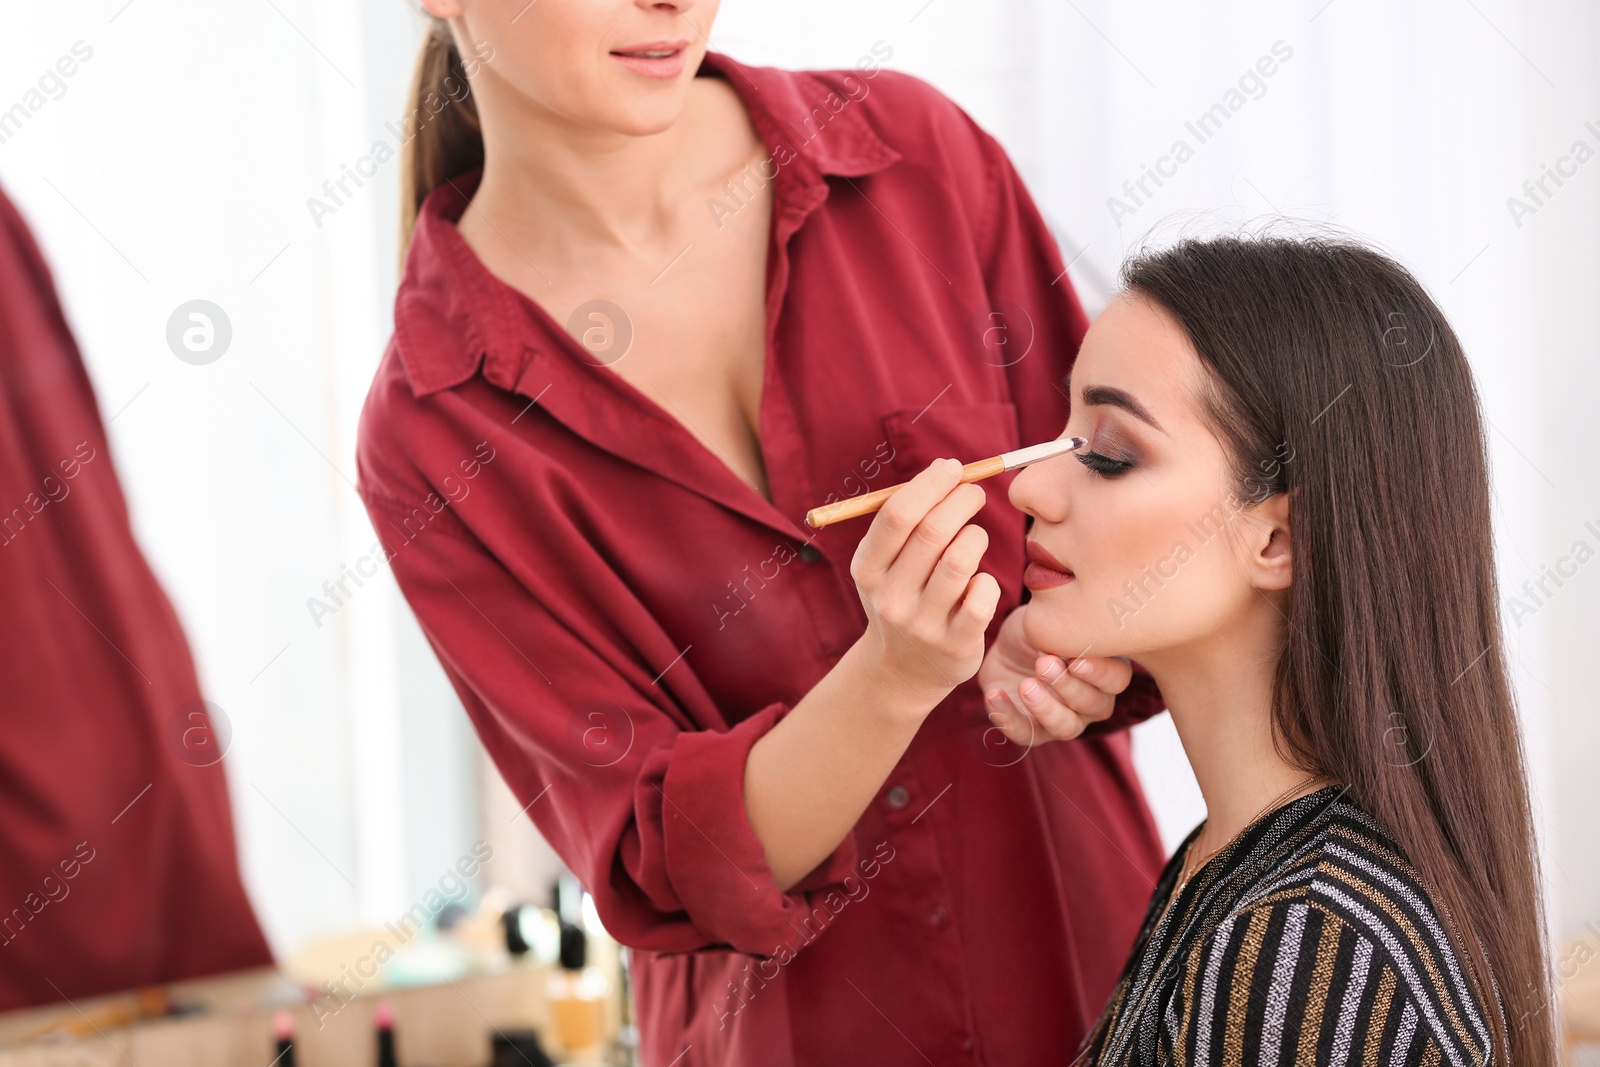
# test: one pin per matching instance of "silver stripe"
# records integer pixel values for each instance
(1172, 1022)
(1402, 1040)
(1208, 990)
(1303, 875)
(1283, 972)
(1352, 1003)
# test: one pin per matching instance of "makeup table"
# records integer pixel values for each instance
(229, 1022)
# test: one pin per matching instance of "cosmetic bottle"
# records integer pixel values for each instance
(624, 1049)
(531, 934)
(577, 995)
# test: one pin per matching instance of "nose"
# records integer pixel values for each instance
(1040, 489)
(1025, 489)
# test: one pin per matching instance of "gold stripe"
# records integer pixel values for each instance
(1113, 1011)
(1289, 894)
(1244, 970)
(1379, 1017)
(1180, 1055)
(1321, 983)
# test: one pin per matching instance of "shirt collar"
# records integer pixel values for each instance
(451, 314)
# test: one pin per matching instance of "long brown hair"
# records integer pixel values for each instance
(1335, 378)
(443, 117)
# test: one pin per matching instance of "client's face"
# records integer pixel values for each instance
(1159, 551)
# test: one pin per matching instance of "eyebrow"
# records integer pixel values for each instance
(1113, 397)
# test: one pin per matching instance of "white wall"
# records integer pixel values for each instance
(1561, 243)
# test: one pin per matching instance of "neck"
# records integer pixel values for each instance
(548, 181)
(1223, 715)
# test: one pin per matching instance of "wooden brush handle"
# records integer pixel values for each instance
(867, 503)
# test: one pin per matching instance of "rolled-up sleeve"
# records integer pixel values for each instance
(1031, 293)
(699, 802)
(643, 804)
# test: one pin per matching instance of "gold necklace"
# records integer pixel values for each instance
(1189, 869)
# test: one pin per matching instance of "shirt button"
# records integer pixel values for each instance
(966, 1044)
(937, 916)
(810, 553)
(898, 797)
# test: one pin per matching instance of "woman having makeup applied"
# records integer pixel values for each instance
(1283, 513)
(657, 304)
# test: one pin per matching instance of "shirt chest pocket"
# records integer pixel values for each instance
(966, 431)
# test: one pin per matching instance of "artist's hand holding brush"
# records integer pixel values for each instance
(809, 778)
(928, 606)
(916, 571)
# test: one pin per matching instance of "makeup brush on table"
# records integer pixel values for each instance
(977, 470)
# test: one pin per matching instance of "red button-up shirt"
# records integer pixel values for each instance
(117, 864)
(623, 616)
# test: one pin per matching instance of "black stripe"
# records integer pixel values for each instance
(1227, 953)
(1305, 968)
(1389, 1026)
(1255, 1012)
(1344, 961)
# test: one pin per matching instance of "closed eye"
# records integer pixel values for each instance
(1103, 465)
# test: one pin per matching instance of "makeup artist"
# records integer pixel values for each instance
(655, 305)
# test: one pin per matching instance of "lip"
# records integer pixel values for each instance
(1044, 571)
(664, 66)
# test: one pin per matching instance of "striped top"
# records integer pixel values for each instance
(1308, 939)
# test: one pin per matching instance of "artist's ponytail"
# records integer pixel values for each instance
(442, 117)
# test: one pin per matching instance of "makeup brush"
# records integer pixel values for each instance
(977, 470)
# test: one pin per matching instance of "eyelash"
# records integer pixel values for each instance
(1104, 466)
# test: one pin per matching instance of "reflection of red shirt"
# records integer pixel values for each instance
(117, 863)
(623, 616)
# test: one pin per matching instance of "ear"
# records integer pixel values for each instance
(1272, 551)
(444, 9)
